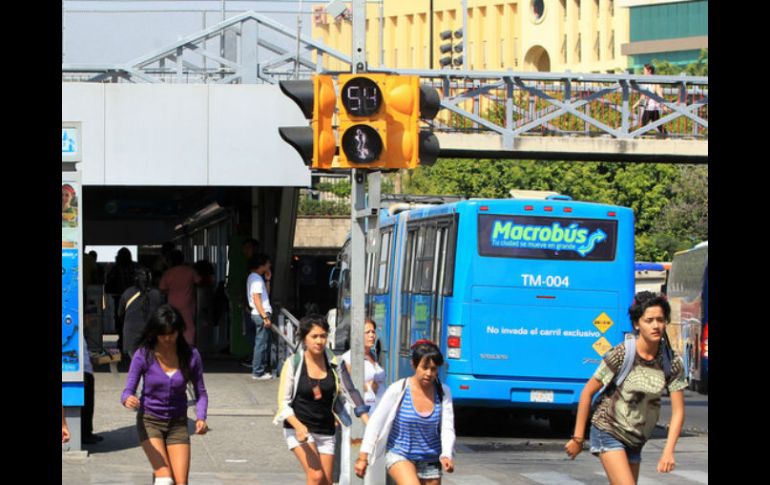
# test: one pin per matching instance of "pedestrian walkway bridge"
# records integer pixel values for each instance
(501, 114)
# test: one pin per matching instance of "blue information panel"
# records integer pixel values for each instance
(71, 284)
(70, 316)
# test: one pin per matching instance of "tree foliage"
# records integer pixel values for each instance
(670, 202)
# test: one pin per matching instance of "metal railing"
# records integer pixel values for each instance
(264, 51)
(567, 104)
(508, 103)
(287, 330)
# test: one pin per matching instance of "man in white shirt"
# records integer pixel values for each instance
(257, 289)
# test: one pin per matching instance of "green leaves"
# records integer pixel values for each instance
(670, 202)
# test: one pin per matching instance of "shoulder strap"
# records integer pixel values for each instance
(628, 360)
(131, 300)
(295, 359)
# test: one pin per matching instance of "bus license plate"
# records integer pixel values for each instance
(541, 396)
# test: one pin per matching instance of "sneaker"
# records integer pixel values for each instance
(263, 377)
(246, 364)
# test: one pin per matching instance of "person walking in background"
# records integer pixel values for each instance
(136, 305)
(167, 363)
(627, 413)
(178, 284)
(257, 289)
(651, 107)
(87, 419)
(374, 388)
(162, 262)
(120, 277)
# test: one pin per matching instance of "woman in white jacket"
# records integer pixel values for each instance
(311, 399)
(413, 424)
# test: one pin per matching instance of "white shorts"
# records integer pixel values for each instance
(324, 443)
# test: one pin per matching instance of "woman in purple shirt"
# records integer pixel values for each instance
(167, 364)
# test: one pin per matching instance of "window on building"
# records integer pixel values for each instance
(579, 48)
(515, 51)
(538, 9)
(577, 8)
(612, 8)
(598, 46)
(564, 50)
(563, 4)
(612, 44)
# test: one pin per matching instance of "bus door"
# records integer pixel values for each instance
(429, 243)
(379, 300)
(414, 240)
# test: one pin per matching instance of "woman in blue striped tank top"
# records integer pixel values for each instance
(413, 424)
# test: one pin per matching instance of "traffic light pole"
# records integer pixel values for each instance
(358, 218)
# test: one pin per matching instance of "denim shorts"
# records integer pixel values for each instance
(602, 441)
(426, 470)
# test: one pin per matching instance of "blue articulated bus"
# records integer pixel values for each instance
(523, 297)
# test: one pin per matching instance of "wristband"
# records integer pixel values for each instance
(577, 439)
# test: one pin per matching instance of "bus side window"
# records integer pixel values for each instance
(439, 263)
(383, 265)
(407, 285)
(427, 257)
(449, 257)
(370, 273)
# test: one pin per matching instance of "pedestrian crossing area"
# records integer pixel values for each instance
(544, 477)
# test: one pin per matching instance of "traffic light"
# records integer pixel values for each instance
(379, 118)
(457, 47)
(316, 144)
(458, 60)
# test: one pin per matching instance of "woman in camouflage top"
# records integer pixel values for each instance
(626, 415)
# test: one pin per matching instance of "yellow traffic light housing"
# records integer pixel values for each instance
(316, 143)
(379, 117)
(324, 141)
(378, 121)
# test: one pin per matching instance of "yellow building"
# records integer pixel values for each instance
(523, 35)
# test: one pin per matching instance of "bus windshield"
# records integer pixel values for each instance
(553, 238)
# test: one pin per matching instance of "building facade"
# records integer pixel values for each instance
(520, 35)
(672, 30)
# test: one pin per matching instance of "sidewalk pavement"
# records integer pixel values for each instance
(242, 445)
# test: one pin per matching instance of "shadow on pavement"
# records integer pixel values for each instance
(115, 440)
